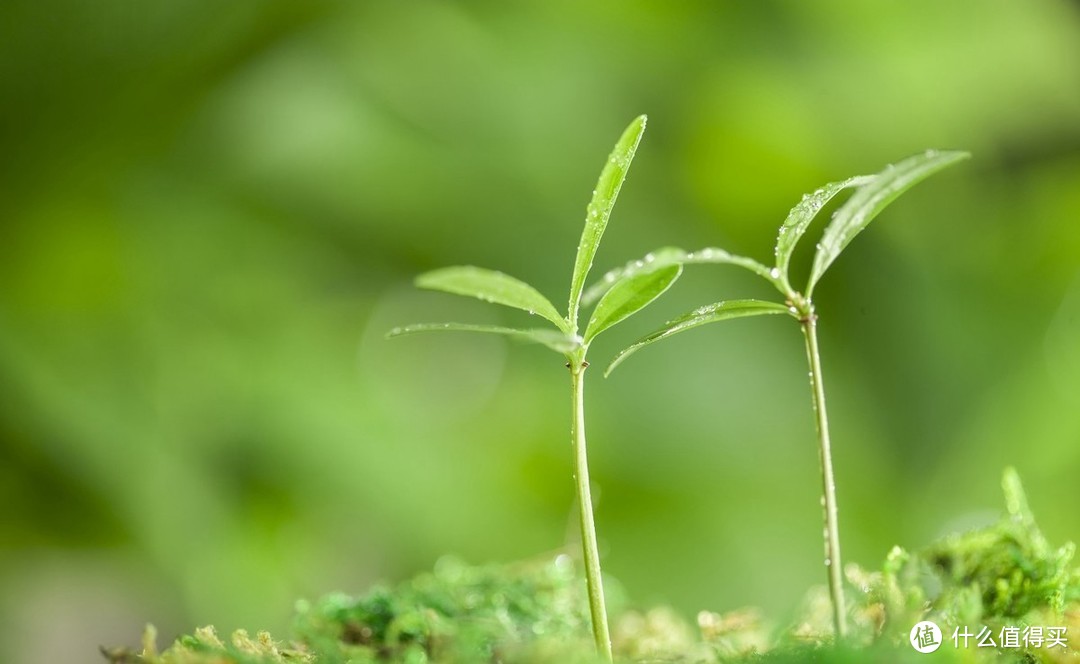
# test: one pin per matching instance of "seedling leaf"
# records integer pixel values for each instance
(872, 198)
(715, 255)
(599, 208)
(803, 213)
(668, 256)
(661, 258)
(701, 316)
(491, 286)
(553, 339)
(629, 296)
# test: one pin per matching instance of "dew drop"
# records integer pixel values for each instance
(563, 562)
(774, 273)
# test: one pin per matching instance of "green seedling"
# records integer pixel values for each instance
(872, 193)
(623, 297)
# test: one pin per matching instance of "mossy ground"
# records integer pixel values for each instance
(1001, 577)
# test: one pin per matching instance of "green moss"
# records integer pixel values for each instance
(1003, 575)
(456, 612)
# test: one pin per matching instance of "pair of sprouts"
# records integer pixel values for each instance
(625, 291)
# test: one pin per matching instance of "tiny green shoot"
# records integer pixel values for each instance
(872, 193)
(623, 297)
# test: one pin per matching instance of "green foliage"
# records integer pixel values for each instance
(701, 316)
(553, 339)
(599, 209)
(490, 286)
(204, 646)
(669, 256)
(456, 613)
(798, 220)
(531, 611)
(870, 199)
(627, 293)
(629, 296)
(1003, 574)
(207, 216)
(997, 574)
(872, 194)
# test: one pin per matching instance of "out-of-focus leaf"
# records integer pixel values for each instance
(803, 213)
(668, 256)
(870, 199)
(599, 208)
(491, 286)
(629, 296)
(553, 339)
(702, 316)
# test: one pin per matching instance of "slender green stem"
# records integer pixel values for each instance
(593, 577)
(828, 483)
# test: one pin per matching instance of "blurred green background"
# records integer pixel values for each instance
(211, 213)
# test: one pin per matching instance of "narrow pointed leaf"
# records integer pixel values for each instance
(803, 213)
(661, 258)
(553, 339)
(702, 316)
(628, 297)
(599, 208)
(715, 255)
(490, 286)
(668, 256)
(870, 199)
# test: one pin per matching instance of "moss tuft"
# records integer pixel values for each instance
(533, 612)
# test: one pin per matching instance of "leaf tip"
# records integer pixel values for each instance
(618, 359)
(423, 280)
(948, 156)
(632, 136)
(399, 331)
(611, 367)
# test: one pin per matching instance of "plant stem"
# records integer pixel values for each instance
(828, 483)
(590, 552)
